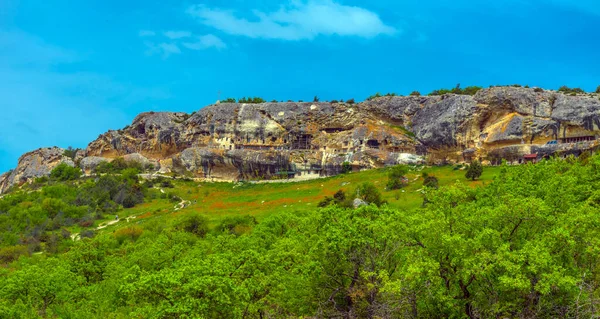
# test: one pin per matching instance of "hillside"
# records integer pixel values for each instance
(520, 241)
(241, 141)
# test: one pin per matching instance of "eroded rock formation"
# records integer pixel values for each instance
(231, 141)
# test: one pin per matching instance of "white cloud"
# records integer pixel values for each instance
(164, 49)
(147, 33)
(205, 42)
(297, 21)
(174, 35)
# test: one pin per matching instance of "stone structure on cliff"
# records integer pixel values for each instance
(231, 141)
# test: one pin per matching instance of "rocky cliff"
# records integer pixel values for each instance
(233, 141)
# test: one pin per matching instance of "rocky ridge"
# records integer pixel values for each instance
(231, 141)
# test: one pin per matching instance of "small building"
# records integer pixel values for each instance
(530, 158)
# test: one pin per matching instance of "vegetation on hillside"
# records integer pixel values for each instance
(470, 90)
(524, 245)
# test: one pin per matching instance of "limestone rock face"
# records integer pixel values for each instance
(89, 164)
(234, 141)
(34, 164)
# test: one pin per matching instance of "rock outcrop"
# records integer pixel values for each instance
(34, 164)
(231, 141)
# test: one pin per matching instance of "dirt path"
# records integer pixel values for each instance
(76, 236)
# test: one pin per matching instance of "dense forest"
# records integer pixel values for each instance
(526, 245)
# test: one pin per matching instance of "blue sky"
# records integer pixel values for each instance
(71, 70)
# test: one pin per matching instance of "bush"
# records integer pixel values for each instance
(70, 152)
(12, 253)
(316, 99)
(195, 224)
(64, 172)
(350, 101)
(128, 233)
(415, 93)
(396, 177)
(430, 181)
(538, 90)
(228, 100)
(339, 198)
(598, 89)
(469, 90)
(567, 90)
(334, 101)
(474, 171)
(370, 194)
(236, 225)
(251, 100)
(346, 167)
(88, 233)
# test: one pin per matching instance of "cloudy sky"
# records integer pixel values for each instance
(70, 70)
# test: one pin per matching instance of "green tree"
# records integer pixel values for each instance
(370, 194)
(397, 177)
(229, 100)
(65, 172)
(474, 171)
(415, 93)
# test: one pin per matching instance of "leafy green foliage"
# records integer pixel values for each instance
(470, 90)
(474, 171)
(339, 198)
(430, 181)
(251, 100)
(195, 224)
(346, 167)
(350, 101)
(598, 89)
(229, 100)
(567, 90)
(63, 172)
(370, 194)
(376, 95)
(70, 152)
(415, 93)
(397, 177)
(526, 245)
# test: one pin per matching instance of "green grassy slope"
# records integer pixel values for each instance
(220, 199)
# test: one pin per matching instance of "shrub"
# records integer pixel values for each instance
(334, 101)
(70, 152)
(195, 224)
(251, 100)
(538, 90)
(566, 90)
(325, 202)
(350, 101)
(64, 172)
(228, 100)
(88, 233)
(316, 99)
(598, 89)
(128, 233)
(236, 225)
(415, 93)
(12, 253)
(474, 171)
(430, 181)
(346, 167)
(370, 194)
(469, 90)
(396, 177)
